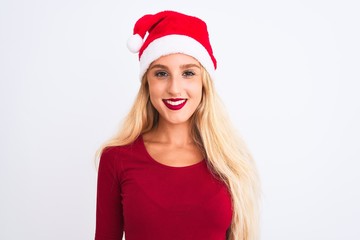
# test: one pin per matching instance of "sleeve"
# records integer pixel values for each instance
(109, 212)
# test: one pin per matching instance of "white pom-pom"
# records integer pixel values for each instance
(134, 43)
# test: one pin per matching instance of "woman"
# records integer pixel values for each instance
(176, 169)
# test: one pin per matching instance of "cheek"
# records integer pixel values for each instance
(154, 89)
(155, 92)
(197, 90)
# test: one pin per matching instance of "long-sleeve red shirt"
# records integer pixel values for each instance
(151, 201)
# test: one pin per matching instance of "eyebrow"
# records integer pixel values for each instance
(190, 65)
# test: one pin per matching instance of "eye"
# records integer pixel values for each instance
(161, 74)
(188, 73)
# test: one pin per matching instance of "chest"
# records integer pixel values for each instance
(189, 198)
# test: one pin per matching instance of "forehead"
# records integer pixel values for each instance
(175, 59)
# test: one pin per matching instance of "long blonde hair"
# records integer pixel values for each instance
(227, 154)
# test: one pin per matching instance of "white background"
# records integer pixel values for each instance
(288, 74)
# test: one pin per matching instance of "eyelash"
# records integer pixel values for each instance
(163, 74)
(189, 73)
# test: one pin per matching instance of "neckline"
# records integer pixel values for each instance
(141, 140)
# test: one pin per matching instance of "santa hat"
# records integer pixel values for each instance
(171, 32)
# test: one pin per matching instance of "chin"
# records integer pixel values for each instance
(177, 121)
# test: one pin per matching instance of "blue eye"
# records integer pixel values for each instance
(161, 74)
(188, 73)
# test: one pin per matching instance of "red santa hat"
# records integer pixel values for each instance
(171, 32)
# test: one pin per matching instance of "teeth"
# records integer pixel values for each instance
(175, 103)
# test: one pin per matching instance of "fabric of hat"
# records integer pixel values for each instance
(170, 32)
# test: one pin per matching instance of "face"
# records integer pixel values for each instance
(175, 87)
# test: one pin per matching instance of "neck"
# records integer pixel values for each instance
(177, 134)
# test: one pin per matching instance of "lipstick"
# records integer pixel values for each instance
(175, 103)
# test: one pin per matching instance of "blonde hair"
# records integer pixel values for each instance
(227, 154)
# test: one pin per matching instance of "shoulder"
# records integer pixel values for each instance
(112, 151)
(111, 162)
(117, 154)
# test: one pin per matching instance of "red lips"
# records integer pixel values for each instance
(175, 103)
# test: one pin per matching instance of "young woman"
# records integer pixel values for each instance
(176, 169)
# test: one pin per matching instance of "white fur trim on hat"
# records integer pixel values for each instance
(176, 44)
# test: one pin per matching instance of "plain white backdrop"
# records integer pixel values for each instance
(288, 74)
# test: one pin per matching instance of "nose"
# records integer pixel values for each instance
(174, 86)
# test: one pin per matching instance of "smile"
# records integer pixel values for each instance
(175, 103)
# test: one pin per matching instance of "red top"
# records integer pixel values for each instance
(148, 200)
